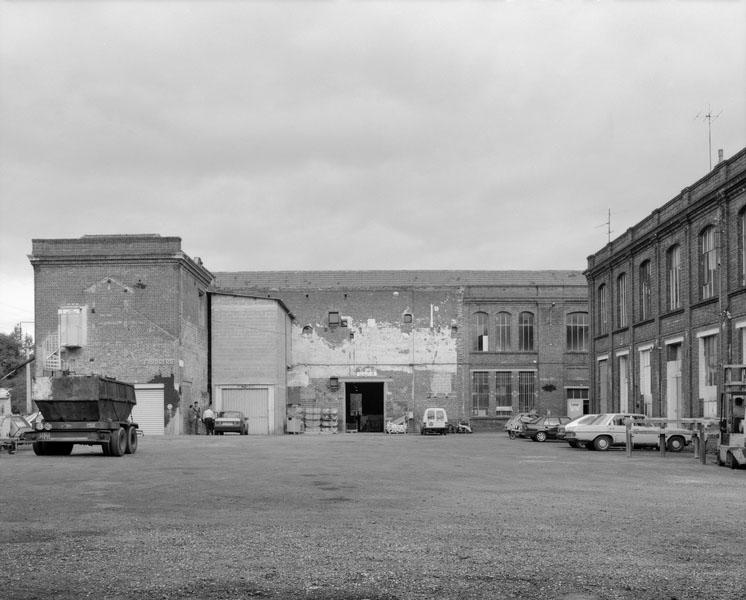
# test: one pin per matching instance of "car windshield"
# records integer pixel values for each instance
(231, 414)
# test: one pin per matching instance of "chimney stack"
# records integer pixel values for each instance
(720, 155)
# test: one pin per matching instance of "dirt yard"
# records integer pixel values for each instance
(369, 516)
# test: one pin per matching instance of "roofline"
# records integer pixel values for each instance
(254, 297)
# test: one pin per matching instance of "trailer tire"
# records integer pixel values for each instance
(730, 461)
(40, 448)
(118, 442)
(63, 449)
(105, 448)
(131, 440)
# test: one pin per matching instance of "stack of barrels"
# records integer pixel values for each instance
(312, 419)
(329, 421)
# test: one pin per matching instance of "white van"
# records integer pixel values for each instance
(434, 420)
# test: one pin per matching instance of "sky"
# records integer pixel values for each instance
(358, 134)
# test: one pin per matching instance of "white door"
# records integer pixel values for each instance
(673, 381)
(623, 384)
(645, 382)
(255, 402)
(148, 412)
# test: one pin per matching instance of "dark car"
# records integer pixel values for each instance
(516, 425)
(229, 421)
(545, 428)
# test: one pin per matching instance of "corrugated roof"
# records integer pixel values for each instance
(300, 280)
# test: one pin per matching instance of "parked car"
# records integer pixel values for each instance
(581, 420)
(545, 428)
(434, 420)
(231, 421)
(516, 425)
(610, 429)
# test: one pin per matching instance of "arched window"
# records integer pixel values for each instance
(708, 263)
(602, 308)
(502, 323)
(577, 332)
(645, 304)
(673, 277)
(621, 300)
(526, 332)
(480, 332)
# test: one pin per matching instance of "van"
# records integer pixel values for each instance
(434, 420)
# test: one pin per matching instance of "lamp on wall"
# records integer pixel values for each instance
(334, 383)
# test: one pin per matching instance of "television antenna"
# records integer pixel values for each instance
(607, 223)
(709, 117)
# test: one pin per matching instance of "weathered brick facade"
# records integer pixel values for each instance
(675, 351)
(144, 306)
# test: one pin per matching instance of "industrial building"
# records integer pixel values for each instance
(369, 346)
(668, 302)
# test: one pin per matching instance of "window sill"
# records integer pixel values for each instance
(673, 313)
(621, 329)
(645, 322)
(704, 302)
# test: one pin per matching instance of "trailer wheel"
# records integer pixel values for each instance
(118, 442)
(63, 449)
(131, 440)
(105, 448)
(40, 448)
(730, 461)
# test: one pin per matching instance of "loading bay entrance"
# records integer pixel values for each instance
(364, 406)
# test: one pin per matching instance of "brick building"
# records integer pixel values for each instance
(132, 307)
(668, 302)
(379, 345)
(372, 345)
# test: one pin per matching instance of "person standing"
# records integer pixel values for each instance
(194, 417)
(208, 418)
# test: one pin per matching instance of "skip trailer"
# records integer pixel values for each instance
(89, 410)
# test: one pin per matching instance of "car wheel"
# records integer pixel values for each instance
(602, 443)
(540, 436)
(573, 443)
(676, 444)
(64, 449)
(511, 435)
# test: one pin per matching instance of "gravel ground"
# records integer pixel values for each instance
(367, 516)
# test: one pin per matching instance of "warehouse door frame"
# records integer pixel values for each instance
(366, 386)
(256, 426)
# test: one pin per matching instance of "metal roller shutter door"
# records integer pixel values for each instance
(148, 412)
(253, 402)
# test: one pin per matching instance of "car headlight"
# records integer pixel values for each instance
(38, 425)
(47, 426)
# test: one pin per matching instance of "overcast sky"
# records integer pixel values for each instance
(357, 135)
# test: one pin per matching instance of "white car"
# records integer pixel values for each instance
(610, 429)
(563, 429)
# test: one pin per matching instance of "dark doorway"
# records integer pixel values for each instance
(364, 406)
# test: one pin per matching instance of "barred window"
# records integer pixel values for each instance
(480, 331)
(526, 332)
(577, 332)
(480, 393)
(603, 320)
(526, 391)
(504, 391)
(621, 300)
(710, 359)
(742, 245)
(502, 340)
(645, 308)
(673, 277)
(708, 264)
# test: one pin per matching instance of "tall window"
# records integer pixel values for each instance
(504, 391)
(645, 290)
(480, 393)
(502, 322)
(603, 319)
(708, 264)
(621, 300)
(673, 277)
(526, 332)
(526, 391)
(577, 332)
(742, 245)
(480, 331)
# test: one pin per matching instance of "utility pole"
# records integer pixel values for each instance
(709, 117)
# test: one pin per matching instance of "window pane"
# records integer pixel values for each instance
(503, 388)
(526, 332)
(480, 393)
(480, 331)
(526, 390)
(502, 343)
(621, 300)
(577, 332)
(673, 268)
(708, 268)
(603, 325)
(645, 290)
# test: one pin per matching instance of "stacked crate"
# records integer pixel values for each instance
(312, 419)
(329, 420)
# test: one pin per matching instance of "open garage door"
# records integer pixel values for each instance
(255, 402)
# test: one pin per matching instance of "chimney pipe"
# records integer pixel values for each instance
(720, 155)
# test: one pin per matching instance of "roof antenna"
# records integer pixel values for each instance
(709, 117)
(608, 227)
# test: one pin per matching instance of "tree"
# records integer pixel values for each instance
(11, 353)
(12, 356)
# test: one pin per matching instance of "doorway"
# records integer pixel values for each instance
(364, 406)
